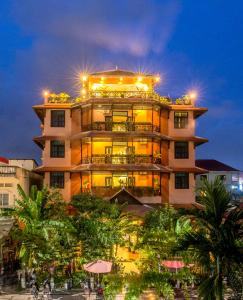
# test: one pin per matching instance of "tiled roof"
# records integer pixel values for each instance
(117, 72)
(213, 165)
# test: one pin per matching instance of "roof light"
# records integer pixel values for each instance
(193, 95)
(45, 93)
(140, 78)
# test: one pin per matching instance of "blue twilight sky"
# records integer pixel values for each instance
(192, 44)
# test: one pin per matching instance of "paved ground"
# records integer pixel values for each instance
(27, 296)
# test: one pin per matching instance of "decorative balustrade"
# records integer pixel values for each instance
(121, 159)
(137, 191)
(121, 126)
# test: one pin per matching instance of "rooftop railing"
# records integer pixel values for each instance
(7, 171)
(65, 98)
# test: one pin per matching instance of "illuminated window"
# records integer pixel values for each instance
(180, 119)
(182, 180)
(57, 180)
(4, 200)
(108, 181)
(58, 118)
(57, 149)
(181, 150)
(235, 177)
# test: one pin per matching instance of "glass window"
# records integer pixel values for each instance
(57, 180)
(182, 180)
(180, 119)
(4, 200)
(222, 177)
(57, 149)
(181, 150)
(108, 181)
(58, 118)
(203, 177)
(235, 177)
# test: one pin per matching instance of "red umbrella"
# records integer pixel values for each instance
(173, 264)
(98, 267)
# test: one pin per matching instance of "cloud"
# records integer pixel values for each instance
(135, 27)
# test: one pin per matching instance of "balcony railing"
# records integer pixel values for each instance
(7, 171)
(121, 126)
(137, 191)
(121, 159)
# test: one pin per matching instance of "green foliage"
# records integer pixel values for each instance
(41, 227)
(114, 284)
(101, 226)
(216, 239)
(59, 98)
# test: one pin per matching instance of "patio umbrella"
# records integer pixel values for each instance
(98, 267)
(173, 264)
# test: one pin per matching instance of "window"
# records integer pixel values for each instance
(235, 177)
(182, 180)
(203, 177)
(181, 150)
(108, 181)
(4, 200)
(222, 177)
(57, 180)
(180, 119)
(58, 118)
(131, 181)
(57, 149)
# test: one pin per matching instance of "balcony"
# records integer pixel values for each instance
(137, 191)
(121, 127)
(122, 159)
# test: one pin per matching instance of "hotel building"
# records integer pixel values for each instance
(120, 135)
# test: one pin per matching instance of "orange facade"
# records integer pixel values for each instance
(120, 134)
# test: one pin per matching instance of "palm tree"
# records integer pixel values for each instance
(41, 226)
(216, 238)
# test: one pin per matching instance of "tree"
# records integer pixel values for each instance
(216, 238)
(101, 226)
(41, 228)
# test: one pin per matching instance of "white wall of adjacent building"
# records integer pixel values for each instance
(12, 174)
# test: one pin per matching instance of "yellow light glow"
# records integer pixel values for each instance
(193, 95)
(84, 78)
(102, 78)
(83, 91)
(46, 93)
(121, 78)
(145, 88)
(140, 78)
(157, 79)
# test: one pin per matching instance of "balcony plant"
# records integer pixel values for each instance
(59, 98)
(157, 157)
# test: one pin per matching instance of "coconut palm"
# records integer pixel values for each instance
(216, 238)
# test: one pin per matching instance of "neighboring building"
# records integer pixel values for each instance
(229, 175)
(120, 135)
(12, 173)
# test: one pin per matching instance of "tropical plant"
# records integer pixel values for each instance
(216, 238)
(101, 226)
(42, 230)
